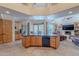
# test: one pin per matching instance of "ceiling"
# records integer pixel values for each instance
(71, 11)
(28, 9)
(22, 10)
(7, 11)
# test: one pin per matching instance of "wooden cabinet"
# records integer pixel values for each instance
(1, 40)
(5, 31)
(54, 41)
(18, 36)
(32, 40)
(39, 41)
(1, 31)
(35, 40)
(26, 41)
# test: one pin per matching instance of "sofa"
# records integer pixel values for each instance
(75, 40)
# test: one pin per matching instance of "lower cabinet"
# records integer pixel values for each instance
(32, 40)
(35, 40)
(26, 41)
(54, 42)
(41, 41)
(18, 36)
(1, 40)
(38, 41)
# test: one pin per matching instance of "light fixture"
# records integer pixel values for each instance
(70, 12)
(26, 4)
(53, 4)
(7, 12)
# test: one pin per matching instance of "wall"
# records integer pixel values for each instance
(67, 20)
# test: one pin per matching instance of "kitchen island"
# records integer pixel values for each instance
(41, 41)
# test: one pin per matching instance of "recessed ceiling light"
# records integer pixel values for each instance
(26, 4)
(7, 12)
(53, 4)
(70, 12)
(40, 4)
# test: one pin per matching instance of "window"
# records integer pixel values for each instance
(50, 29)
(38, 29)
(35, 29)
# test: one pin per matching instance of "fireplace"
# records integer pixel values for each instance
(68, 32)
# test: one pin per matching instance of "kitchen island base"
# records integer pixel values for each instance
(41, 41)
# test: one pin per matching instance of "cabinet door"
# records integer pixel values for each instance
(1, 31)
(18, 36)
(26, 42)
(1, 39)
(1, 26)
(32, 40)
(7, 30)
(54, 42)
(57, 42)
(39, 41)
(23, 42)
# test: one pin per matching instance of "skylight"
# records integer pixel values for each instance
(50, 17)
(43, 17)
(40, 4)
(38, 17)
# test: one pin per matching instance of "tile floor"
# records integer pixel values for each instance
(66, 48)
